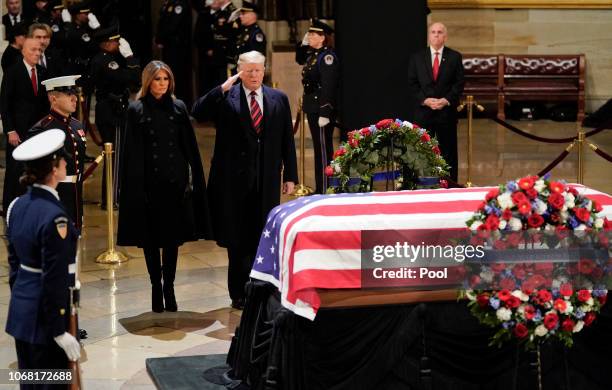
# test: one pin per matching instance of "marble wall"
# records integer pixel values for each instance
(538, 31)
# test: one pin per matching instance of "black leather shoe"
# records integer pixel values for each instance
(82, 334)
(238, 303)
(157, 299)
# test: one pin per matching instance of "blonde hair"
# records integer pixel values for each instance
(149, 73)
(252, 57)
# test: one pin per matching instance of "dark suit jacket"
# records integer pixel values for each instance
(19, 107)
(56, 66)
(448, 85)
(10, 56)
(243, 161)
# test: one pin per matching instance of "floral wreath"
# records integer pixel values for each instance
(386, 143)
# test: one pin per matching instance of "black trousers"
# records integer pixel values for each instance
(37, 356)
(446, 134)
(13, 170)
(319, 171)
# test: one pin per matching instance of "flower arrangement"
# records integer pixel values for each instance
(536, 301)
(386, 143)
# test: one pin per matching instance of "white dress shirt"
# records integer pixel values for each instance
(433, 55)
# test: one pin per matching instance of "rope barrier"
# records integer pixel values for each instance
(514, 129)
(601, 153)
(93, 166)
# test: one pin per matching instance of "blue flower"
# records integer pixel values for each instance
(494, 303)
(511, 186)
(573, 222)
(547, 176)
(373, 129)
(399, 122)
(421, 131)
(579, 314)
(555, 292)
(599, 292)
(537, 316)
(506, 325)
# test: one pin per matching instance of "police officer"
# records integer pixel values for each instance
(40, 279)
(320, 77)
(114, 71)
(63, 99)
(80, 46)
(57, 24)
(174, 39)
(250, 36)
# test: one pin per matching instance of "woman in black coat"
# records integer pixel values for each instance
(162, 202)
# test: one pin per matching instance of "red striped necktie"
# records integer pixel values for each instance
(34, 81)
(256, 116)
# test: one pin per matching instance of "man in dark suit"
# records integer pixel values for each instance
(436, 83)
(23, 101)
(13, 17)
(253, 145)
(50, 59)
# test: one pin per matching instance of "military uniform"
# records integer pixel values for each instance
(71, 190)
(249, 38)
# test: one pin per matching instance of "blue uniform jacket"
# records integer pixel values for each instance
(42, 247)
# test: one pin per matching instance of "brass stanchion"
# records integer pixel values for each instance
(302, 189)
(111, 255)
(581, 139)
(469, 103)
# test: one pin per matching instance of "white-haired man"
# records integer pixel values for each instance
(253, 147)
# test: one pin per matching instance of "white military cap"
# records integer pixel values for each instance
(61, 84)
(45, 144)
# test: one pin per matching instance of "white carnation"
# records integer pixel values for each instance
(539, 185)
(578, 326)
(541, 207)
(586, 308)
(505, 200)
(407, 124)
(580, 227)
(515, 224)
(503, 223)
(540, 331)
(475, 224)
(598, 224)
(569, 200)
(564, 215)
(520, 295)
(504, 314)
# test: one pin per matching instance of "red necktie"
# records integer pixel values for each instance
(34, 82)
(436, 66)
(256, 116)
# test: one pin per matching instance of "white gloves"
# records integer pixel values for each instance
(124, 48)
(93, 21)
(323, 121)
(305, 40)
(70, 345)
(66, 17)
(234, 16)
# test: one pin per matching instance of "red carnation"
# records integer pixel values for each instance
(329, 171)
(544, 295)
(556, 200)
(513, 302)
(586, 266)
(518, 197)
(425, 137)
(492, 222)
(555, 218)
(589, 318)
(504, 295)
(529, 312)
(567, 325)
(573, 191)
(351, 134)
(526, 182)
(507, 284)
(339, 152)
(566, 289)
(507, 214)
(557, 187)
(354, 142)
(603, 299)
(524, 207)
(535, 220)
(492, 194)
(384, 123)
(436, 150)
(483, 300)
(560, 305)
(582, 213)
(415, 126)
(365, 131)
(596, 206)
(520, 330)
(584, 295)
(551, 320)
(443, 183)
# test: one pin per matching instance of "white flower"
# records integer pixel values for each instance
(337, 168)
(586, 308)
(475, 224)
(515, 224)
(470, 295)
(580, 227)
(598, 224)
(407, 124)
(569, 200)
(504, 314)
(487, 276)
(578, 326)
(520, 295)
(539, 185)
(503, 223)
(549, 227)
(540, 331)
(540, 206)
(564, 215)
(505, 200)
(590, 301)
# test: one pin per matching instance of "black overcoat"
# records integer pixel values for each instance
(135, 217)
(238, 162)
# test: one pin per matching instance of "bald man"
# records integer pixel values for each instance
(436, 82)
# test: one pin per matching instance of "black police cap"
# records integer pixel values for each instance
(80, 8)
(319, 27)
(247, 6)
(107, 34)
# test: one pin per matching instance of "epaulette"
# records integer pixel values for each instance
(46, 120)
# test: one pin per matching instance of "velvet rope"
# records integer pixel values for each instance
(556, 161)
(607, 125)
(601, 153)
(92, 167)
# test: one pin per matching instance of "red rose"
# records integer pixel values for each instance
(520, 330)
(436, 150)
(518, 197)
(544, 295)
(589, 318)
(483, 300)
(556, 187)
(365, 131)
(560, 305)
(492, 222)
(329, 171)
(582, 213)
(602, 299)
(339, 152)
(567, 325)
(443, 183)
(507, 284)
(531, 193)
(507, 214)
(504, 295)
(566, 289)
(556, 200)
(526, 182)
(492, 194)
(384, 123)
(586, 266)
(596, 206)
(513, 302)
(551, 320)
(555, 218)
(584, 295)
(425, 137)
(354, 142)
(529, 312)
(535, 220)
(524, 207)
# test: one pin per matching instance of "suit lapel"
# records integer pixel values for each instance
(241, 106)
(268, 106)
(428, 63)
(443, 62)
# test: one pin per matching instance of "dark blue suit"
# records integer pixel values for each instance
(42, 245)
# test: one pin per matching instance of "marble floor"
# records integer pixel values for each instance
(115, 307)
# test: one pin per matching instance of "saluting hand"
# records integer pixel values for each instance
(230, 81)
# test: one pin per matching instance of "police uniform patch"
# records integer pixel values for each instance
(61, 224)
(113, 65)
(85, 37)
(55, 28)
(329, 59)
(221, 21)
(259, 37)
(178, 9)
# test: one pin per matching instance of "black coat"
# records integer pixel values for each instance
(10, 57)
(449, 85)
(148, 204)
(238, 151)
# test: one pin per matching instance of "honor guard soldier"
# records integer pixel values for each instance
(63, 100)
(250, 36)
(80, 45)
(114, 71)
(41, 255)
(320, 77)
